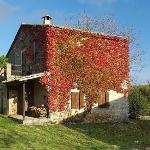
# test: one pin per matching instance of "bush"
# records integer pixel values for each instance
(3, 61)
(139, 101)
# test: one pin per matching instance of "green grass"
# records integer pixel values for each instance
(135, 134)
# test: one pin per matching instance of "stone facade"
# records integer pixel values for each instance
(23, 53)
(39, 94)
(22, 56)
(117, 111)
(8, 101)
(15, 55)
(3, 99)
(12, 102)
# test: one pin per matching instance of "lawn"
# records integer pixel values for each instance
(131, 135)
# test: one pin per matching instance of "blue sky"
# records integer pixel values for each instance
(130, 13)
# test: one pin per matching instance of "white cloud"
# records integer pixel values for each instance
(6, 9)
(97, 2)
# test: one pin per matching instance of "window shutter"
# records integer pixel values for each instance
(82, 102)
(101, 99)
(75, 100)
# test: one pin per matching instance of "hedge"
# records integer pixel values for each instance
(139, 101)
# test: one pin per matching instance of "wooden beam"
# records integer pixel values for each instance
(23, 99)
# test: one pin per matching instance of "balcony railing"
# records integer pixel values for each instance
(16, 69)
(22, 70)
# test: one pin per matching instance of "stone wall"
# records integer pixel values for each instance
(12, 101)
(8, 105)
(117, 111)
(22, 54)
(14, 56)
(39, 94)
(3, 99)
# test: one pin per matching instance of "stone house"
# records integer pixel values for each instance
(21, 88)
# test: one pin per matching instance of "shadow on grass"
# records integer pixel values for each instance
(134, 134)
(124, 136)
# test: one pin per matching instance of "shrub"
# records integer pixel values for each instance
(3, 61)
(139, 101)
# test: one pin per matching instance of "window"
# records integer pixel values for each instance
(16, 58)
(103, 100)
(77, 100)
(36, 52)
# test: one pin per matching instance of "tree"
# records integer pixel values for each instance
(3, 61)
(110, 25)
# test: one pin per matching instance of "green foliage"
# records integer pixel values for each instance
(139, 101)
(3, 61)
(110, 136)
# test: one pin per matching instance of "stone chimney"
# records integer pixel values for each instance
(46, 19)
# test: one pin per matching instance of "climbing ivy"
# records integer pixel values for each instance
(96, 62)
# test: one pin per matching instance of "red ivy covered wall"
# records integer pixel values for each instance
(94, 61)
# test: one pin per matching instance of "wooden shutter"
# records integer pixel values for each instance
(75, 100)
(82, 102)
(103, 99)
